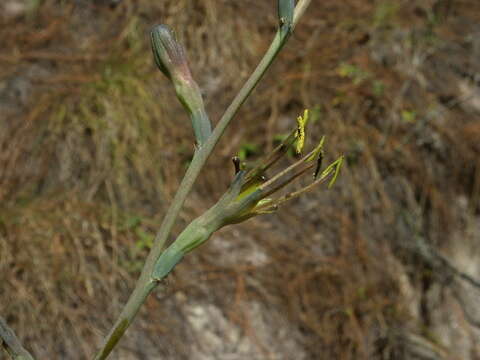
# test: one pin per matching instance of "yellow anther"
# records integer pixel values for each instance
(301, 123)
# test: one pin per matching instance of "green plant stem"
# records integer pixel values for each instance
(11, 344)
(146, 283)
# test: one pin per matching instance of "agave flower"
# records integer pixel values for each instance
(250, 194)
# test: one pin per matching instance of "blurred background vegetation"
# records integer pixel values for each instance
(93, 144)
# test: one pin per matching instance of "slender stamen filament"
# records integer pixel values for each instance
(292, 195)
(272, 158)
(289, 180)
(287, 170)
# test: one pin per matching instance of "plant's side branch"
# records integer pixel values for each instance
(145, 283)
(11, 344)
(299, 11)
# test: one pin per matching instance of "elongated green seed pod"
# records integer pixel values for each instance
(170, 58)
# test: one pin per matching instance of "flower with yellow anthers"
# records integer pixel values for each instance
(249, 195)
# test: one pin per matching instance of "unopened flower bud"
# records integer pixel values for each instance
(170, 58)
(169, 55)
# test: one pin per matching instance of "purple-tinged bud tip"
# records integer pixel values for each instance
(168, 53)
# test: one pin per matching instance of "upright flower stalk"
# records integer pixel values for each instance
(152, 271)
(285, 13)
(249, 193)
